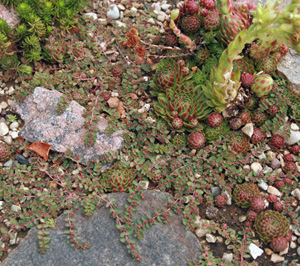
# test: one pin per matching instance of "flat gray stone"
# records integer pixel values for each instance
(64, 131)
(162, 245)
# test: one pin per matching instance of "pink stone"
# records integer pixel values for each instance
(10, 15)
(64, 131)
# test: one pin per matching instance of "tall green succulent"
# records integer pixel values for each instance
(224, 83)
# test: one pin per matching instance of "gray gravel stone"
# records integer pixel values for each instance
(163, 244)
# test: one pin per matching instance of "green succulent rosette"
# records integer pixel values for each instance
(167, 76)
(186, 102)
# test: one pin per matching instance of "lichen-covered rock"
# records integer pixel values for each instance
(63, 131)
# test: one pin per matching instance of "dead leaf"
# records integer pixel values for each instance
(121, 110)
(149, 61)
(53, 185)
(40, 148)
(113, 102)
(133, 96)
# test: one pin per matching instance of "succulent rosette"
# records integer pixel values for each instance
(270, 225)
(186, 102)
(232, 20)
(243, 194)
(118, 178)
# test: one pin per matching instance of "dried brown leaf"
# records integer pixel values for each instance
(40, 148)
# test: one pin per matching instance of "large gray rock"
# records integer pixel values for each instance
(289, 67)
(162, 245)
(65, 131)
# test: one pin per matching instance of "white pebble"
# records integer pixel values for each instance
(15, 208)
(114, 94)
(210, 238)
(263, 185)
(121, 7)
(274, 191)
(294, 127)
(10, 102)
(103, 21)
(14, 125)
(267, 169)
(165, 6)
(256, 168)
(255, 251)
(151, 21)
(296, 193)
(3, 129)
(227, 257)
(113, 12)
(3, 105)
(133, 9)
(248, 129)
(11, 90)
(92, 15)
(121, 24)
(14, 134)
(7, 139)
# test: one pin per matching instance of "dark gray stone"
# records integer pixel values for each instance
(21, 159)
(162, 245)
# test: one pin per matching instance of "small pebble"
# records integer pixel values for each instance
(227, 257)
(15, 208)
(296, 193)
(242, 218)
(8, 163)
(274, 191)
(268, 251)
(275, 163)
(275, 258)
(294, 127)
(219, 239)
(3, 129)
(14, 134)
(210, 238)
(271, 155)
(21, 159)
(14, 125)
(211, 212)
(267, 169)
(263, 185)
(91, 15)
(215, 191)
(298, 251)
(256, 168)
(293, 245)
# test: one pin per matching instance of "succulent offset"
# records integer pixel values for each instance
(243, 194)
(118, 178)
(4, 152)
(239, 143)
